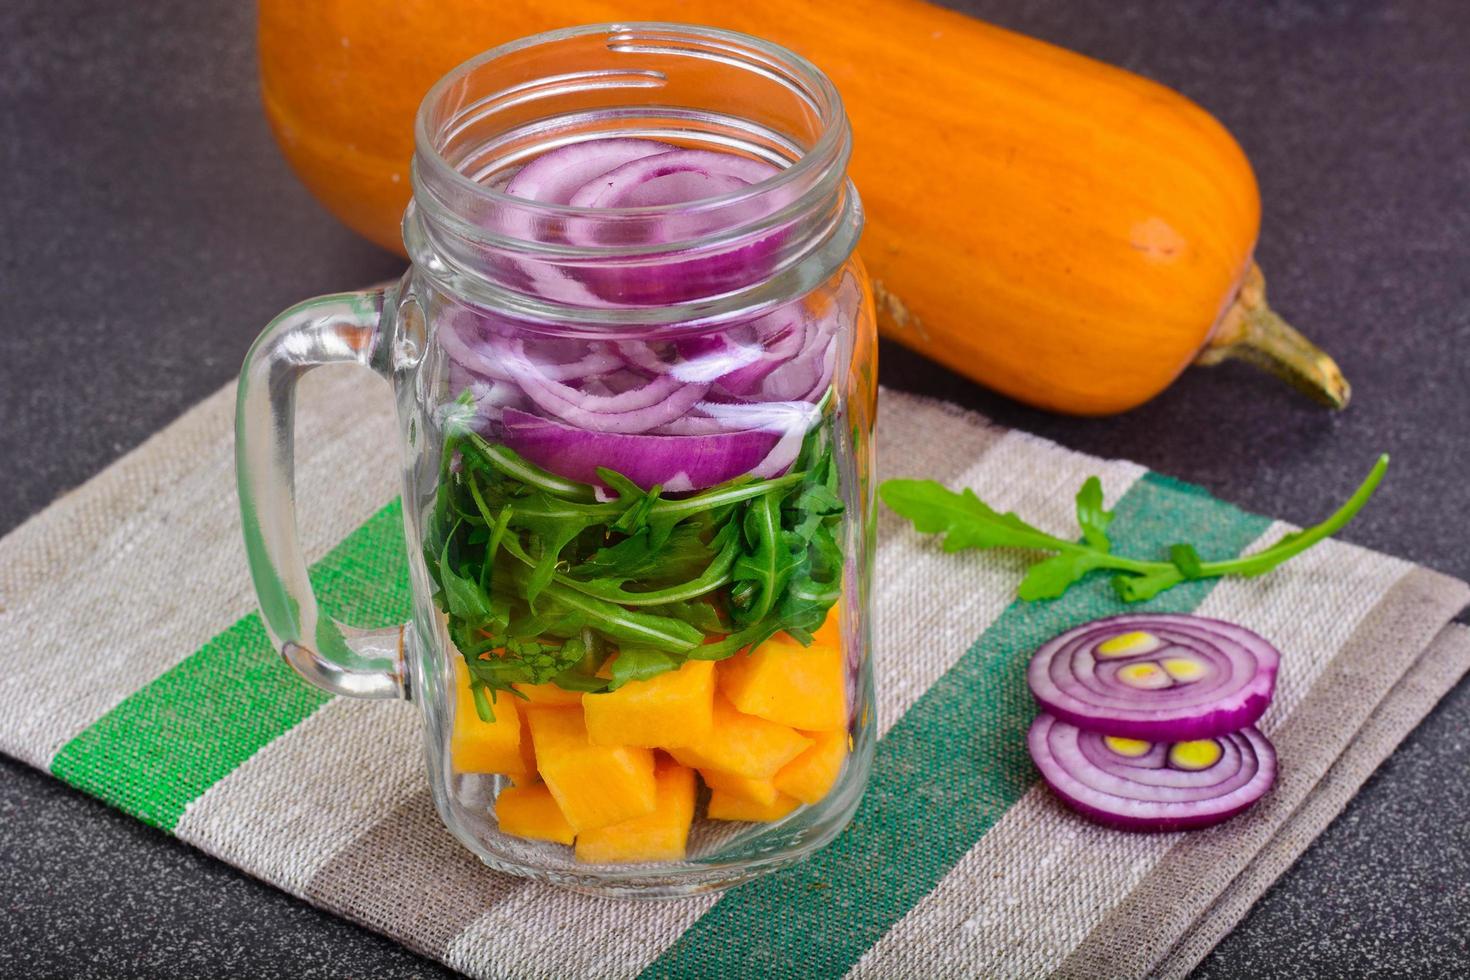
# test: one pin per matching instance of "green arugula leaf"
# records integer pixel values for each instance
(545, 568)
(1053, 576)
(1187, 560)
(1091, 517)
(964, 519)
(767, 563)
(967, 522)
(639, 664)
(551, 576)
(463, 596)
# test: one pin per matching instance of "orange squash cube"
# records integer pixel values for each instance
(742, 744)
(531, 812)
(528, 749)
(481, 746)
(785, 682)
(810, 776)
(829, 634)
(659, 836)
(548, 694)
(595, 785)
(670, 709)
(728, 806)
(762, 791)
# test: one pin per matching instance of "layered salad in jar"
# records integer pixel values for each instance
(637, 546)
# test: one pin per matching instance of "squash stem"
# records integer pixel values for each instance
(1251, 331)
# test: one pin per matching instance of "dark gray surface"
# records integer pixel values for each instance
(150, 228)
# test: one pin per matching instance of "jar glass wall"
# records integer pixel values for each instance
(635, 368)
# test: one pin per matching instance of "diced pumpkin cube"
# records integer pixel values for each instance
(528, 771)
(595, 785)
(674, 708)
(659, 836)
(761, 791)
(548, 694)
(728, 806)
(482, 746)
(785, 682)
(742, 744)
(809, 777)
(531, 812)
(829, 634)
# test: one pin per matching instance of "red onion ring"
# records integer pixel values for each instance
(637, 410)
(479, 355)
(554, 177)
(781, 334)
(1188, 678)
(672, 177)
(768, 369)
(678, 463)
(1150, 788)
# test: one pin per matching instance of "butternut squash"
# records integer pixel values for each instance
(1057, 229)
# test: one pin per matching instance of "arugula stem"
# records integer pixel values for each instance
(625, 625)
(1108, 560)
(688, 506)
(716, 574)
(1294, 544)
(497, 534)
(1263, 561)
(513, 466)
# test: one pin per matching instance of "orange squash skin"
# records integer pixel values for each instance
(1057, 229)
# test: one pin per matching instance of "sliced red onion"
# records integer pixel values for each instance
(554, 177)
(679, 187)
(1152, 786)
(489, 394)
(602, 398)
(793, 420)
(694, 425)
(716, 364)
(807, 352)
(805, 375)
(672, 177)
(462, 341)
(677, 463)
(679, 274)
(459, 335)
(780, 335)
(647, 355)
(737, 356)
(1160, 677)
(636, 410)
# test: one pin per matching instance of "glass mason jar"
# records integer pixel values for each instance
(634, 368)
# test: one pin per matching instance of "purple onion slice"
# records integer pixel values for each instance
(679, 463)
(554, 177)
(1162, 677)
(673, 177)
(1152, 786)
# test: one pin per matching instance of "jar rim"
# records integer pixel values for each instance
(818, 91)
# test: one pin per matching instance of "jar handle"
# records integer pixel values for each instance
(336, 329)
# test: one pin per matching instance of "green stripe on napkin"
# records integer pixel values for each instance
(168, 742)
(944, 774)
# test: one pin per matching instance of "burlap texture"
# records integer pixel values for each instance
(333, 806)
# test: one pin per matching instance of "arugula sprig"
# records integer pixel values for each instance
(966, 521)
(543, 579)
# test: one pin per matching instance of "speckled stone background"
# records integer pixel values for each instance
(150, 228)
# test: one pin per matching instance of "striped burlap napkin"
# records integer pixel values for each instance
(958, 863)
